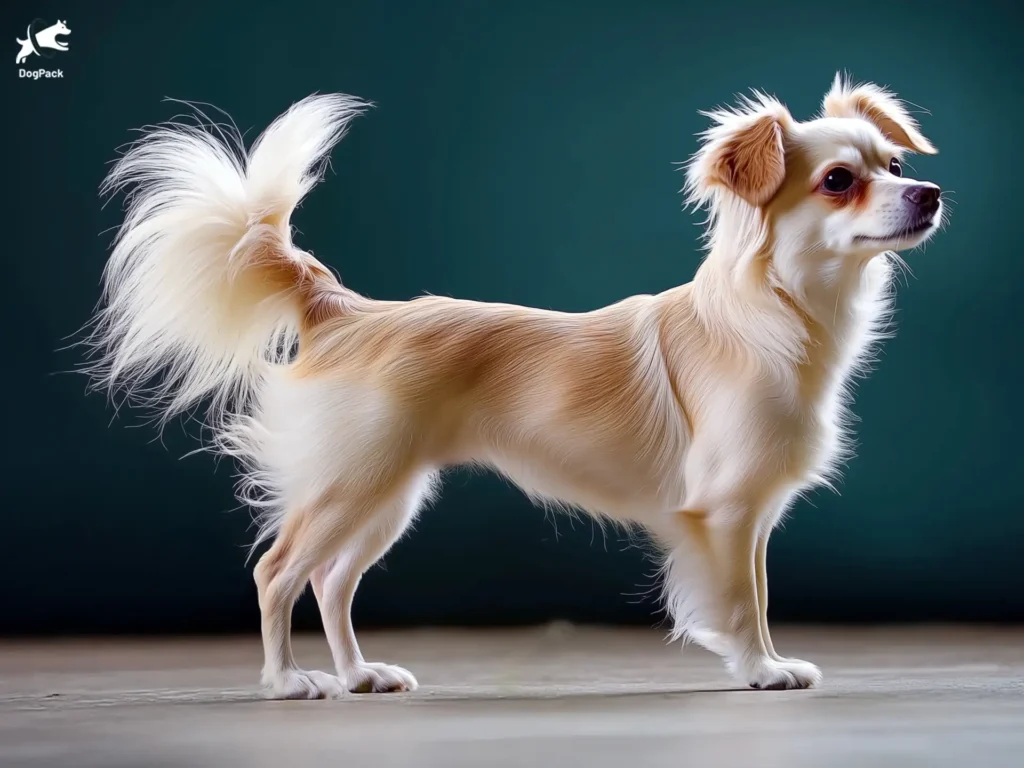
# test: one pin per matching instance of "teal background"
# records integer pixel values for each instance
(519, 152)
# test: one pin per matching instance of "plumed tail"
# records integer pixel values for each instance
(204, 287)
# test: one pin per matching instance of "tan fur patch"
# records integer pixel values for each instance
(752, 164)
(881, 108)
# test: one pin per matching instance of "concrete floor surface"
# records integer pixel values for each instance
(558, 696)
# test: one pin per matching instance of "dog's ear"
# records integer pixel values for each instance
(880, 107)
(743, 152)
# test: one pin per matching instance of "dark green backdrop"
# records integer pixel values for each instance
(521, 152)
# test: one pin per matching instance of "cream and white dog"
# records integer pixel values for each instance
(698, 413)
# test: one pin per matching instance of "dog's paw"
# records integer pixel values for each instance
(771, 675)
(299, 684)
(808, 675)
(379, 678)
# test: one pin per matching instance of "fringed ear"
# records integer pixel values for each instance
(742, 152)
(880, 107)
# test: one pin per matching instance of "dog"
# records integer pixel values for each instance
(697, 414)
(45, 38)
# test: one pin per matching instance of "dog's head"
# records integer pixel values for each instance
(61, 28)
(815, 196)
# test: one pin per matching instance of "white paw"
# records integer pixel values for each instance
(379, 678)
(770, 675)
(299, 684)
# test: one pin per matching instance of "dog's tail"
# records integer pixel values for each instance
(204, 286)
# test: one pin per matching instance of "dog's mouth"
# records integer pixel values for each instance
(906, 233)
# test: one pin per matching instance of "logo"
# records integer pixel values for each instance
(41, 40)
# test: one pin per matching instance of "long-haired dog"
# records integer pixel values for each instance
(698, 413)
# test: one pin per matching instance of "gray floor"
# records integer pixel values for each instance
(559, 696)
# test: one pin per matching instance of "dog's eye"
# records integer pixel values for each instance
(895, 167)
(838, 180)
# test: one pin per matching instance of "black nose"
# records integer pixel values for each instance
(923, 196)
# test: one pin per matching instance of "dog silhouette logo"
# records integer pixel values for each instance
(42, 40)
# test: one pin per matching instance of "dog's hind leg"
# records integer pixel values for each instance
(335, 585)
(308, 537)
(303, 542)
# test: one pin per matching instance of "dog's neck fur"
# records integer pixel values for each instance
(816, 326)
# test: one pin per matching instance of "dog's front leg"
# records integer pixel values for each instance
(761, 571)
(714, 597)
